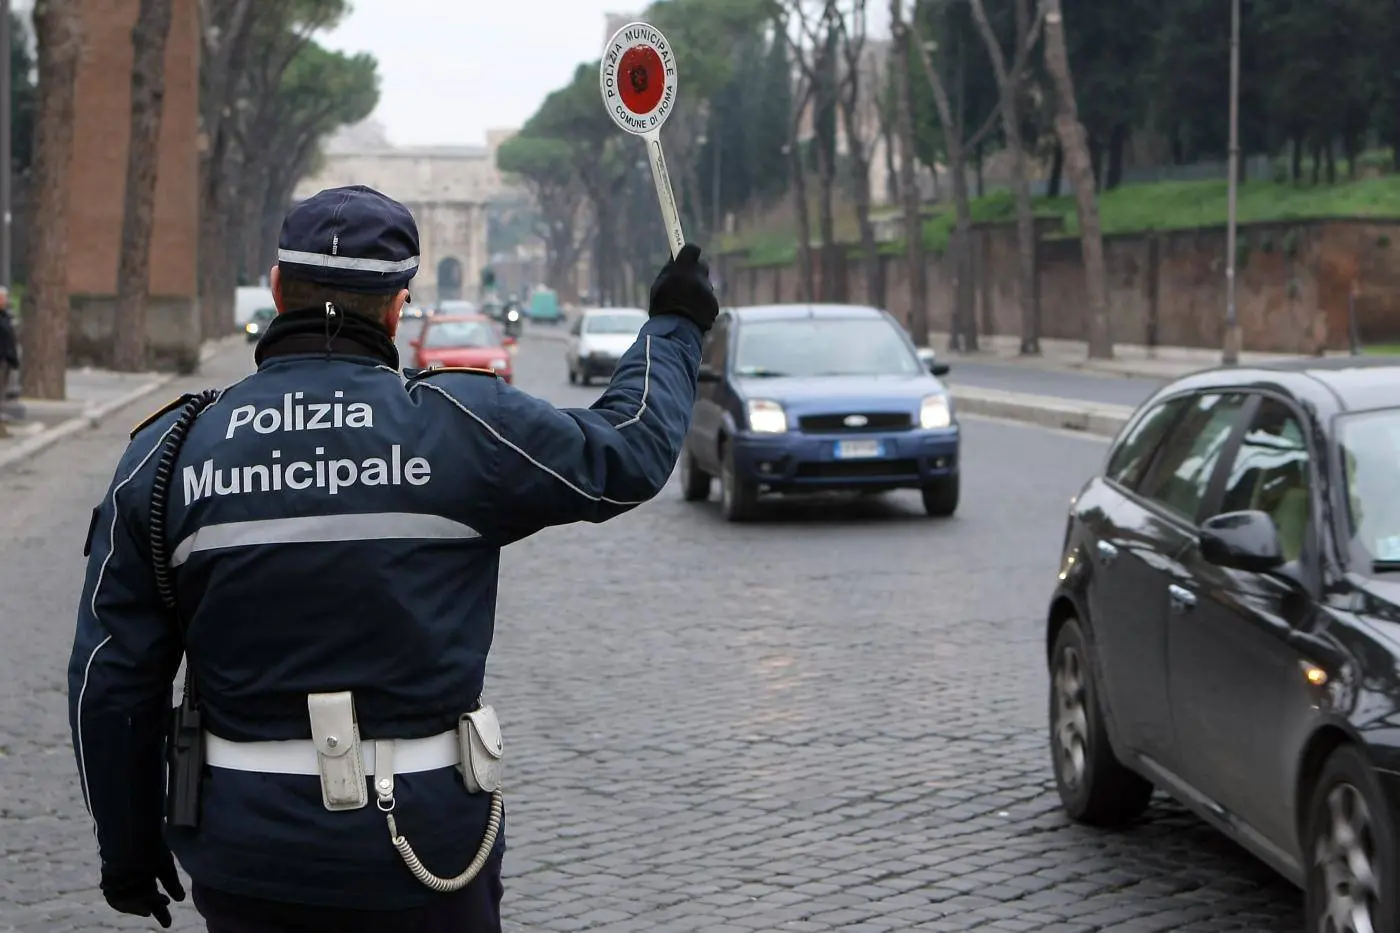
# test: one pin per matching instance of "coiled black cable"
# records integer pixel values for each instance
(160, 491)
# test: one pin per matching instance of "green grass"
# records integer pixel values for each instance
(1382, 349)
(1164, 206)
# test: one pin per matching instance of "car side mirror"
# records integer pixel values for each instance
(939, 369)
(1242, 541)
(416, 343)
(510, 341)
(708, 374)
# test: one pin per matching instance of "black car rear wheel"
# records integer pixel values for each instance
(1350, 850)
(695, 482)
(738, 499)
(941, 497)
(573, 376)
(1095, 787)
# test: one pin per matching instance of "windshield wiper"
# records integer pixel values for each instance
(760, 373)
(1385, 566)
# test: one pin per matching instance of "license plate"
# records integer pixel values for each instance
(858, 450)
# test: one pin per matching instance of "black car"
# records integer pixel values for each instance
(257, 324)
(1226, 625)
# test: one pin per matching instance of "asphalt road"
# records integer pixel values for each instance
(830, 720)
(1011, 377)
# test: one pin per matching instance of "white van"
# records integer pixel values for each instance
(249, 299)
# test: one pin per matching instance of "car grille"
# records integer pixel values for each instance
(874, 421)
(857, 469)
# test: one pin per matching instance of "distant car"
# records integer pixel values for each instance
(597, 340)
(807, 398)
(468, 340)
(257, 324)
(1226, 625)
(410, 329)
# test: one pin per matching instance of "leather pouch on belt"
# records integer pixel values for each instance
(337, 738)
(480, 735)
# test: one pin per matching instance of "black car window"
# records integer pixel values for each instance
(1128, 461)
(1181, 472)
(716, 346)
(1271, 474)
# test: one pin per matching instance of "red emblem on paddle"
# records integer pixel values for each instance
(641, 79)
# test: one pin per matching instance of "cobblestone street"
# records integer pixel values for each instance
(831, 719)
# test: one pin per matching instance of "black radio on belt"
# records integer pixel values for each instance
(185, 741)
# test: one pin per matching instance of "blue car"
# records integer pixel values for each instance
(816, 398)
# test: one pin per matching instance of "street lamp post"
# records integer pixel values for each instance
(1231, 355)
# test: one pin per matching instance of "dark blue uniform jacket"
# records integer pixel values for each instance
(336, 526)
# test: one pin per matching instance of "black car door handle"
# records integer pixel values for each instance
(1182, 599)
(1107, 552)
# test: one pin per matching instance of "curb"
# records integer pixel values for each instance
(94, 415)
(1065, 414)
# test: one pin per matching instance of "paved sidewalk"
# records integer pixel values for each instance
(1129, 360)
(93, 394)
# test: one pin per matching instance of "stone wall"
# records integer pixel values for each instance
(1294, 284)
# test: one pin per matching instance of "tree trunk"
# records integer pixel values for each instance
(1009, 85)
(1081, 176)
(916, 270)
(806, 286)
(58, 31)
(1117, 144)
(964, 329)
(858, 152)
(148, 39)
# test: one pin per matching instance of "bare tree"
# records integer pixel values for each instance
(226, 28)
(1081, 175)
(802, 96)
(855, 98)
(58, 31)
(908, 187)
(964, 330)
(1009, 79)
(148, 40)
(814, 51)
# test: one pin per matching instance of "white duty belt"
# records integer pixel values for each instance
(298, 756)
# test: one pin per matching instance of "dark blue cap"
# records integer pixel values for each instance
(353, 238)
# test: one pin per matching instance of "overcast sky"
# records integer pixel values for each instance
(452, 69)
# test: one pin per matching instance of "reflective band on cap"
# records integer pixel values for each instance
(346, 262)
(370, 526)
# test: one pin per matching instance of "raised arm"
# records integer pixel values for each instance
(554, 466)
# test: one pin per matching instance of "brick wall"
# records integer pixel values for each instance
(98, 185)
(1293, 288)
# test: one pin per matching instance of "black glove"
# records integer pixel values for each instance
(134, 892)
(683, 288)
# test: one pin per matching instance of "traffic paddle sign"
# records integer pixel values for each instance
(638, 79)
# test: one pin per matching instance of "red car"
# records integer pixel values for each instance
(463, 340)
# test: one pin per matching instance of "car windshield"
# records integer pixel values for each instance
(264, 314)
(614, 322)
(1370, 453)
(460, 334)
(805, 347)
(453, 306)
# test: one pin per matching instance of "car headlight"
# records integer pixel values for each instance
(513, 316)
(252, 327)
(767, 417)
(935, 413)
(499, 364)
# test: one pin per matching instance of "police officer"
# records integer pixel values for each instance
(324, 550)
